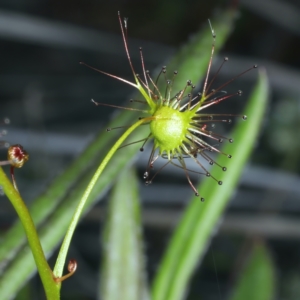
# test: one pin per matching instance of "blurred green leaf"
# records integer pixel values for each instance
(257, 280)
(192, 236)
(25, 293)
(123, 270)
(191, 61)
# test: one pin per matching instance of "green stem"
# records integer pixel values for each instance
(51, 288)
(58, 269)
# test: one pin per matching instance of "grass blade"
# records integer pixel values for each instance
(258, 279)
(123, 270)
(199, 220)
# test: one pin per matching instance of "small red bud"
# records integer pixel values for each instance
(17, 156)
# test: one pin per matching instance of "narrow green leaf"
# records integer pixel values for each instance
(123, 270)
(199, 220)
(258, 278)
(26, 292)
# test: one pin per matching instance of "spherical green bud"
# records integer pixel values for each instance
(169, 128)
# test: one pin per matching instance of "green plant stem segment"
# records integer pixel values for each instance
(50, 286)
(58, 269)
(190, 239)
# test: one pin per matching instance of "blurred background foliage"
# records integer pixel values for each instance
(46, 94)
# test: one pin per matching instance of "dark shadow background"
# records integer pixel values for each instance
(46, 94)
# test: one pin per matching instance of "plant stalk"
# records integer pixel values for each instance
(58, 269)
(51, 288)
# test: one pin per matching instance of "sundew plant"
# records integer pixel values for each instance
(175, 120)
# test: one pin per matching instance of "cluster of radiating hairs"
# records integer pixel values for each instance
(176, 121)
